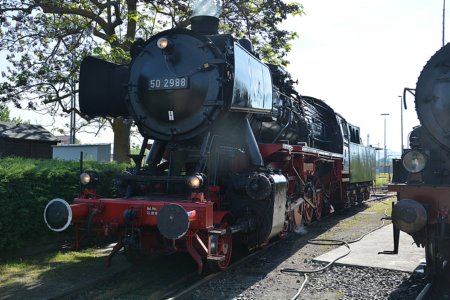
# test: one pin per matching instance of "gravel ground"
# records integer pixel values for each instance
(261, 277)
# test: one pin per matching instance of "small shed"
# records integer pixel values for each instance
(26, 140)
(96, 152)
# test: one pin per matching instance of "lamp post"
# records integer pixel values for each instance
(443, 25)
(401, 121)
(385, 150)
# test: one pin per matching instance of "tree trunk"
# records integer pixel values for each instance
(121, 130)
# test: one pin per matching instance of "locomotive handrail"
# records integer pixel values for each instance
(411, 91)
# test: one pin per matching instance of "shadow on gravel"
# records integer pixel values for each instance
(271, 258)
(410, 288)
(144, 281)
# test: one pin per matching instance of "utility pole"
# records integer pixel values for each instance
(72, 99)
(72, 114)
(401, 121)
(443, 25)
(385, 149)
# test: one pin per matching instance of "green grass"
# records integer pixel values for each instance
(359, 219)
(385, 206)
(382, 179)
(27, 271)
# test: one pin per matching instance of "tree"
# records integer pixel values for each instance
(6, 117)
(4, 113)
(47, 39)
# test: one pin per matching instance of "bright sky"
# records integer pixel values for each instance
(358, 55)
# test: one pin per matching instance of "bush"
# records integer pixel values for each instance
(27, 185)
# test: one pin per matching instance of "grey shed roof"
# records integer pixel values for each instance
(25, 132)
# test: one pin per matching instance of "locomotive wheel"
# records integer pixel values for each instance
(366, 194)
(221, 245)
(308, 212)
(318, 199)
(319, 206)
(351, 196)
(359, 196)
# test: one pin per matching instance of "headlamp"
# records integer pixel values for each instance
(414, 161)
(163, 43)
(88, 177)
(195, 181)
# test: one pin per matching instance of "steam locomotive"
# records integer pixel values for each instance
(238, 156)
(421, 178)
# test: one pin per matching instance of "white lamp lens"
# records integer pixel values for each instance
(195, 182)
(85, 178)
(162, 43)
(414, 161)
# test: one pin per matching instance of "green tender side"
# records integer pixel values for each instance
(362, 163)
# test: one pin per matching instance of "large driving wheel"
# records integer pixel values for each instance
(319, 191)
(319, 206)
(220, 250)
(308, 212)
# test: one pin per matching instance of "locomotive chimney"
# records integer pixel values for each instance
(205, 16)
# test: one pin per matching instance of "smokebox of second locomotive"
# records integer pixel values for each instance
(205, 16)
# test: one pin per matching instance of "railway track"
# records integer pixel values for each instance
(184, 293)
(176, 276)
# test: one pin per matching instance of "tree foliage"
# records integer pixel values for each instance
(5, 116)
(4, 113)
(26, 186)
(47, 39)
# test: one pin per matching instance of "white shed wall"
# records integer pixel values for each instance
(95, 152)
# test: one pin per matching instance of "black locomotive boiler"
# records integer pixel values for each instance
(422, 176)
(237, 154)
